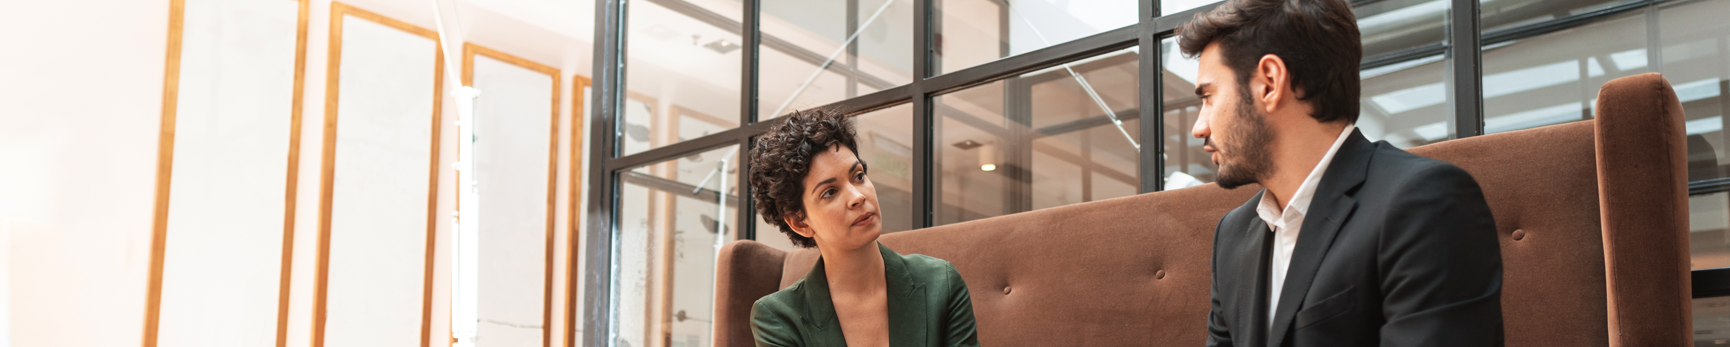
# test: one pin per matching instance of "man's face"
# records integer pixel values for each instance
(1236, 130)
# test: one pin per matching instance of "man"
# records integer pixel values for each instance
(1351, 243)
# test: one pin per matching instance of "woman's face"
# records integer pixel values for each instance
(840, 202)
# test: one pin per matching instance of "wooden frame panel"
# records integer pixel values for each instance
(572, 227)
(470, 50)
(165, 164)
(328, 171)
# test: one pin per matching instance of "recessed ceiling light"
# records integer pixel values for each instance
(968, 144)
(722, 46)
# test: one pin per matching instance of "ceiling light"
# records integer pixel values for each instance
(722, 46)
(987, 158)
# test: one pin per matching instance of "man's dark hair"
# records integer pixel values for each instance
(782, 159)
(1317, 39)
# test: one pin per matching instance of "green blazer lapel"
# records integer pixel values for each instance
(820, 310)
(907, 304)
(1329, 209)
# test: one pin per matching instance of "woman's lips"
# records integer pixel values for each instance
(865, 219)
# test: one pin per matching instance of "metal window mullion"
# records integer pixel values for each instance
(749, 80)
(1152, 164)
(1465, 69)
(598, 247)
(748, 69)
(747, 225)
(923, 60)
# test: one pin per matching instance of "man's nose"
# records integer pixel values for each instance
(1202, 128)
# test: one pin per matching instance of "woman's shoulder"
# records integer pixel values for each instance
(932, 269)
(781, 303)
(775, 317)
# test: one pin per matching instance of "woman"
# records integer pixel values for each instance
(807, 180)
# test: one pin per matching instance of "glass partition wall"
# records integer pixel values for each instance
(970, 109)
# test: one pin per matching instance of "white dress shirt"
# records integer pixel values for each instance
(1285, 223)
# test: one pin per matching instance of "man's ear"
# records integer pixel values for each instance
(797, 222)
(1274, 79)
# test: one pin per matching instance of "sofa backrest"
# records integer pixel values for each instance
(1135, 270)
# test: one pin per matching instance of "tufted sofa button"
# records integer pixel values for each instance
(1519, 234)
(1005, 290)
(1159, 275)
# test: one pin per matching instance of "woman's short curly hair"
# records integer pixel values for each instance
(782, 158)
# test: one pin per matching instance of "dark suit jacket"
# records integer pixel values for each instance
(928, 306)
(1397, 250)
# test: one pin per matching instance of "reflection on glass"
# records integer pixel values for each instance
(1712, 321)
(1696, 53)
(885, 144)
(682, 71)
(1039, 140)
(972, 32)
(1403, 99)
(1554, 78)
(1500, 15)
(671, 222)
(1696, 59)
(1395, 25)
(862, 46)
(1709, 231)
(1170, 7)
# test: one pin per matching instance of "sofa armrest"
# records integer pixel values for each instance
(1643, 195)
(744, 272)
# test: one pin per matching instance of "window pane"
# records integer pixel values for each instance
(1697, 63)
(1708, 219)
(1170, 7)
(682, 74)
(885, 144)
(864, 45)
(667, 239)
(972, 32)
(1712, 321)
(1501, 15)
(1554, 78)
(1039, 140)
(1403, 99)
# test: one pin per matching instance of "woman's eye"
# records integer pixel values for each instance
(827, 193)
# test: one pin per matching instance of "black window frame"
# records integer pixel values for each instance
(1461, 50)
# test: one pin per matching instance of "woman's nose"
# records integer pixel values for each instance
(855, 197)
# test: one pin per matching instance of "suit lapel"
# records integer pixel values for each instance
(907, 323)
(1328, 210)
(1255, 253)
(820, 310)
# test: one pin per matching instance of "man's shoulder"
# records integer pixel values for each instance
(1397, 168)
(1239, 216)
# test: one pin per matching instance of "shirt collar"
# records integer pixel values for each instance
(1299, 203)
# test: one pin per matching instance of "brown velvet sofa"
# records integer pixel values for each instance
(1592, 215)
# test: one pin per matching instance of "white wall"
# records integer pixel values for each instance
(83, 92)
(83, 83)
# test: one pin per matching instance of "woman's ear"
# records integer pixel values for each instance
(797, 222)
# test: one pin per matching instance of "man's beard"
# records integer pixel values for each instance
(1249, 147)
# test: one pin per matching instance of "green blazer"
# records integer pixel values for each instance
(928, 306)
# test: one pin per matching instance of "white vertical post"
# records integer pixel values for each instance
(465, 246)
